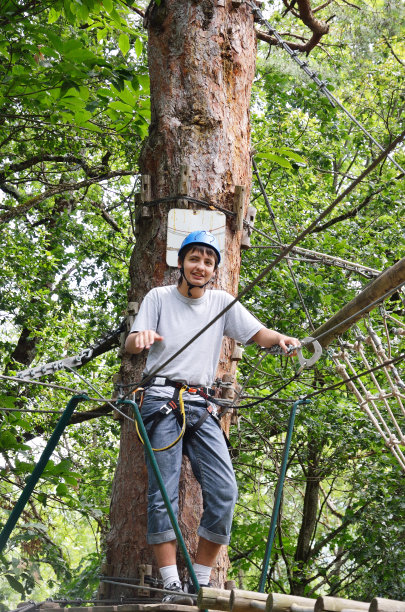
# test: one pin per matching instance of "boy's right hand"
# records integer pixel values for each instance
(135, 343)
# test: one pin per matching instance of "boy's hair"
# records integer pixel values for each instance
(200, 249)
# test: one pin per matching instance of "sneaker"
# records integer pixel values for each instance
(177, 595)
(191, 588)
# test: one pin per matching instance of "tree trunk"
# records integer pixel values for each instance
(201, 64)
(309, 517)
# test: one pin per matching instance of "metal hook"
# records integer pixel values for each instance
(307, 363)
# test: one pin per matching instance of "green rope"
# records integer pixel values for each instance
(279, 490)
(155, 467)
(38, 469)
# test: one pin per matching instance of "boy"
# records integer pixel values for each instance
(169, 316)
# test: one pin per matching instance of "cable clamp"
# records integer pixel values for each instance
(307, 363)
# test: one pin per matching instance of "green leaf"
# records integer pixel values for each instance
(101, 34)
(292, 155)
(7, 440)
(281, 161)
(121, 106)
(93, 127)
(116, 18)
(145, 112)
(70, 480)
(108, 5)
(66, 85)
(138, 47)
(7, 401)
(62, 489)
(15, 584)
(128, 96)
(53, 15)
(18, 69)
(123, 43)
(144, 82)
(82, 116)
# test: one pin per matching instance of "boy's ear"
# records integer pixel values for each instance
(178, 262)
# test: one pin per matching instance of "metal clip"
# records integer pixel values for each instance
(307, 363)
(165, 409)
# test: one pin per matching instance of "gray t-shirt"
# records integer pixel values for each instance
(178, 319)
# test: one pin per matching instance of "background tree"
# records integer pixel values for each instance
(69, 164)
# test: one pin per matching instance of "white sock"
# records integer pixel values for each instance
(169, 575)
(202, 572)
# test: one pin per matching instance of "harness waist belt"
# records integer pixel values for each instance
(161, 381)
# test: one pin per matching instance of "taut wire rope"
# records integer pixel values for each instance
(273, 220)
(279, 258)
(261, 275)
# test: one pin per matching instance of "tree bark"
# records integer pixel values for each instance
(309, 517)
(201, 64)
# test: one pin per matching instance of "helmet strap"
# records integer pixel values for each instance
(190, 286)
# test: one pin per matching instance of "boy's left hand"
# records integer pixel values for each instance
(286, 342)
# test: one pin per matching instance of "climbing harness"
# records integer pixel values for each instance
(166, 409)
(176, 407)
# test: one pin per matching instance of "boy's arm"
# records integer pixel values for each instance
(137, 341)
(269, 337)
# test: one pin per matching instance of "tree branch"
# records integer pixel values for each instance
(11, 190)
(322, 6)
(332, 534)
(392, 51)
(110, 219)
(349, 214)
(24, 207)
(306, 14)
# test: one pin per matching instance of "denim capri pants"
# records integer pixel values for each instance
(211, 465)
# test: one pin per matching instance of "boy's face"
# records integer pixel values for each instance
(199, 266)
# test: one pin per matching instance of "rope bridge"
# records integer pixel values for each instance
(381, 394)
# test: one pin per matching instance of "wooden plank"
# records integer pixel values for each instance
(280, 602)
(183, 186)
(378, 604)
(337, 604)
(247, 231)
(210, 598)
(297, 608)
(247, 601)
(389, 279)
(146, 188)
(238, 207)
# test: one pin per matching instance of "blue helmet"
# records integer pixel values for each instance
(201, 238)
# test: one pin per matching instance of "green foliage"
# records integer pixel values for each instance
(74, 109)
(339, 532)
